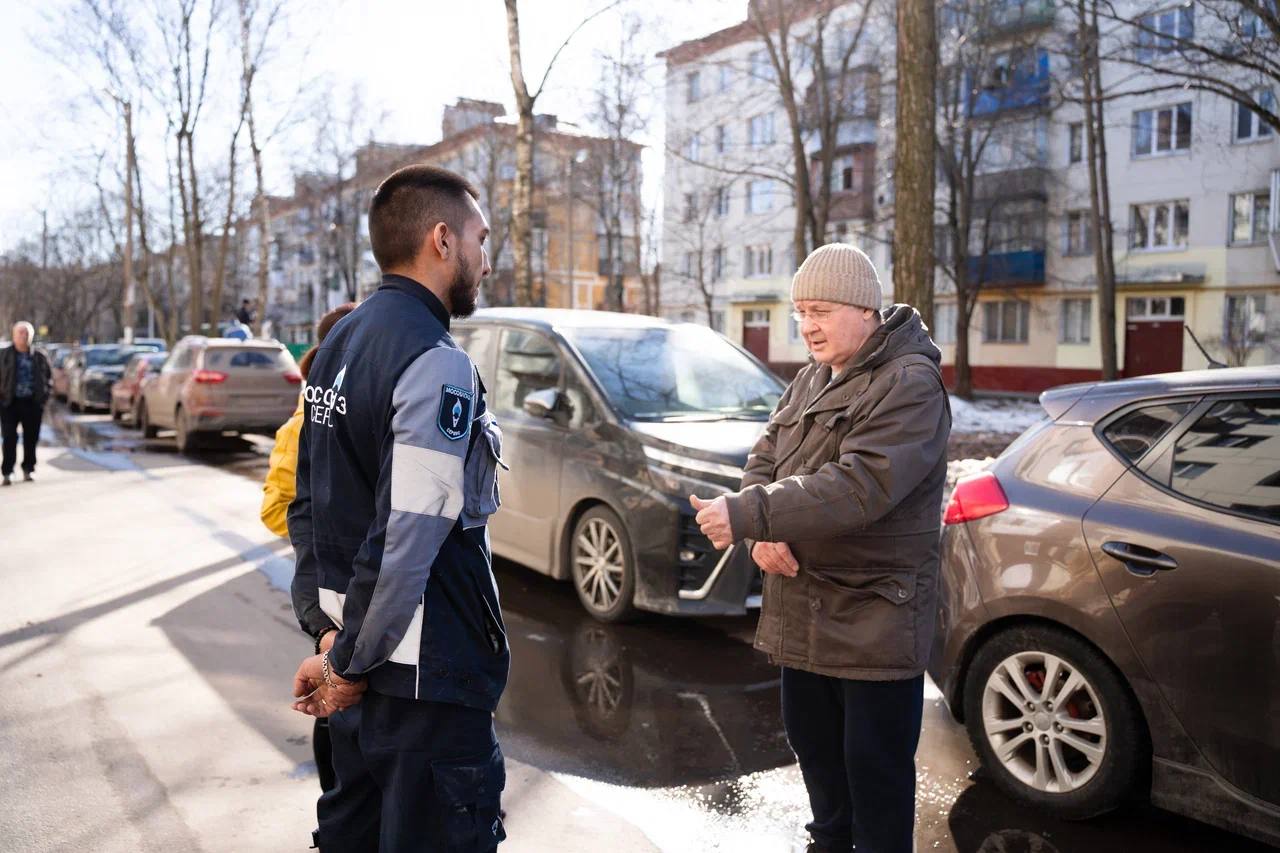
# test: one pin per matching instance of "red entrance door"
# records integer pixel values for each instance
(1152, 346)
(755, 333)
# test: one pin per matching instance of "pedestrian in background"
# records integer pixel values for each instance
(278, 492)
(841, 502)
(244, 314)
(25, 379)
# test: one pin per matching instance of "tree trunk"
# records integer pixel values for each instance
(129, 165)
(522, 193)
(914, 156)
(228, 222)
(195, 252)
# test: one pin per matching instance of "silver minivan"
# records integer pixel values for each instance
(610, 422)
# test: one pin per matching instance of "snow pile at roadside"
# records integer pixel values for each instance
(993, 415)
(963, 468)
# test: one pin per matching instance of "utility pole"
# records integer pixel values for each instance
(129, 166)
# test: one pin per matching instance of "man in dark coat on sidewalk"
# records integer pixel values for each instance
(24, 388)
(841, 501)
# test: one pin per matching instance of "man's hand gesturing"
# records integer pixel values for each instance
(713, 518)
(775, 558)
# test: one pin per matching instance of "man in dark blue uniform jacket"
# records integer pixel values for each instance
(397, 476)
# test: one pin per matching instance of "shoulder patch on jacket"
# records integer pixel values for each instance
(455, 412)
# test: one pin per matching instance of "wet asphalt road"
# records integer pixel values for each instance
(677, 722)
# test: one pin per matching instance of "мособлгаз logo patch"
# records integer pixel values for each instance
(454, 419)
(325, 402)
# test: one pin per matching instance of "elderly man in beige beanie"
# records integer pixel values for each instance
(840, 504)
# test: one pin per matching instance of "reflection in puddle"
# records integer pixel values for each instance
(660, 703)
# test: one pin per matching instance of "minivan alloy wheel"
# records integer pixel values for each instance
(598, 563)
(1044, 721)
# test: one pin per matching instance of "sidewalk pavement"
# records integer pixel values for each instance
(146, 665)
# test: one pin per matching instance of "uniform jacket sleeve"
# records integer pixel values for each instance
(280, 485)
(882, 459)
(304, 590)
(763, 456)
(419, 498)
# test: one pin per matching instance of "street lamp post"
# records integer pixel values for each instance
(579, 156)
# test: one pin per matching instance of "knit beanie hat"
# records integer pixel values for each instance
(838, 272)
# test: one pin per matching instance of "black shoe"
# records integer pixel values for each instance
(27, 477)
(7, 481)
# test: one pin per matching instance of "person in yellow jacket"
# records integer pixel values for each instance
(280, 485)
(277, 493)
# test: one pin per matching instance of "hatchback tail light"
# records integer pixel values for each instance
(976, 496)
(209, 377)
(293, 377)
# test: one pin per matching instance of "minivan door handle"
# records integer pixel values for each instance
(1139, 560)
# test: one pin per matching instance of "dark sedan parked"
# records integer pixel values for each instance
(126, 393)
(610, 422)
(1110, 601)
(92, 370)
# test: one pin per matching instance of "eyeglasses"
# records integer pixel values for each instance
(817, 315)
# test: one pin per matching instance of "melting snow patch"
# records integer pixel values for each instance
(1007, 416)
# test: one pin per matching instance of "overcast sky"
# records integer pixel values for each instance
(407, 58)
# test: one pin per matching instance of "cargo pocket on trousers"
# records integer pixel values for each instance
(469, 793)
(862, 618)
(482, 497)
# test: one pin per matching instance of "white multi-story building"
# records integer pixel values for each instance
(729, 212)
(1193, 180)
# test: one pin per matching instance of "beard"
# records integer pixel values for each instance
(463, 292)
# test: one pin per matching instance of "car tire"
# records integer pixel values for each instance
(149, 429)
(1075, 745)
(74, 405)
(186, 437)
(116, 415)
(602, 565)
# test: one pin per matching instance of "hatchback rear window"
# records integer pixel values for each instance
(1230, 458)
(247, 359)
(1133, 434)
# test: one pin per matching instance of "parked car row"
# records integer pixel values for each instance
(204, 387)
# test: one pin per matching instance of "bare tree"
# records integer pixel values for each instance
(526, 101)
(914, 161)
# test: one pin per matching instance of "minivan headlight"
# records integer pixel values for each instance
(691, 465)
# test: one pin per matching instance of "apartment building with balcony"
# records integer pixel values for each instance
(1192, 177)
(729, 211)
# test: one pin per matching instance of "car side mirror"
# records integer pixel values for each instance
(544, 404)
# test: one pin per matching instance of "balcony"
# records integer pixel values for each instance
(1008, 269)
(1013, 16)
(1029, 182)
(1015, 85)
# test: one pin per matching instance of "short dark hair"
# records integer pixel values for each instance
(411, 202)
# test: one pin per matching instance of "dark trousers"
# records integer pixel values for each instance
(323, 751)
(856, 744)
(24, 412)
(412, 776)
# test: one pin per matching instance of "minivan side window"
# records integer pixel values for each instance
(1132, 435)
(527, 362)
(1230, 458)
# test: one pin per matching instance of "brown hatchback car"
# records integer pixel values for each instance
(213, 385)
(1110, 601)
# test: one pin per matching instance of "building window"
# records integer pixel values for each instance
(1250, 124)
(1249, 217)
(762, 66)
(1244, 324)
(1079, 238)
(1161, 32)
(760, 130)
(1162, 131)
(793, 330)
(1006, 322)
(717, 321)
(722, 138)
(1162, 225)
(717, 263)
(694, 149)
(690, 264)
(1227, 458)
(844, 174)
(944, 323)
(693, 87)
(1155, 307)
(1077, 321)
(1075, 142)
(757, 261)
(722, 201)
(759, 196)
(726, 78)
(690, 207)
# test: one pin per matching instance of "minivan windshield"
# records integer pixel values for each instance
(683, 372)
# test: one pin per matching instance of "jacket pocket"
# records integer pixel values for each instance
(468, 794)
(862, 617)
(482, 497)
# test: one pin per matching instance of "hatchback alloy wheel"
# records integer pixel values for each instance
(602, 565)
(1044, 721)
